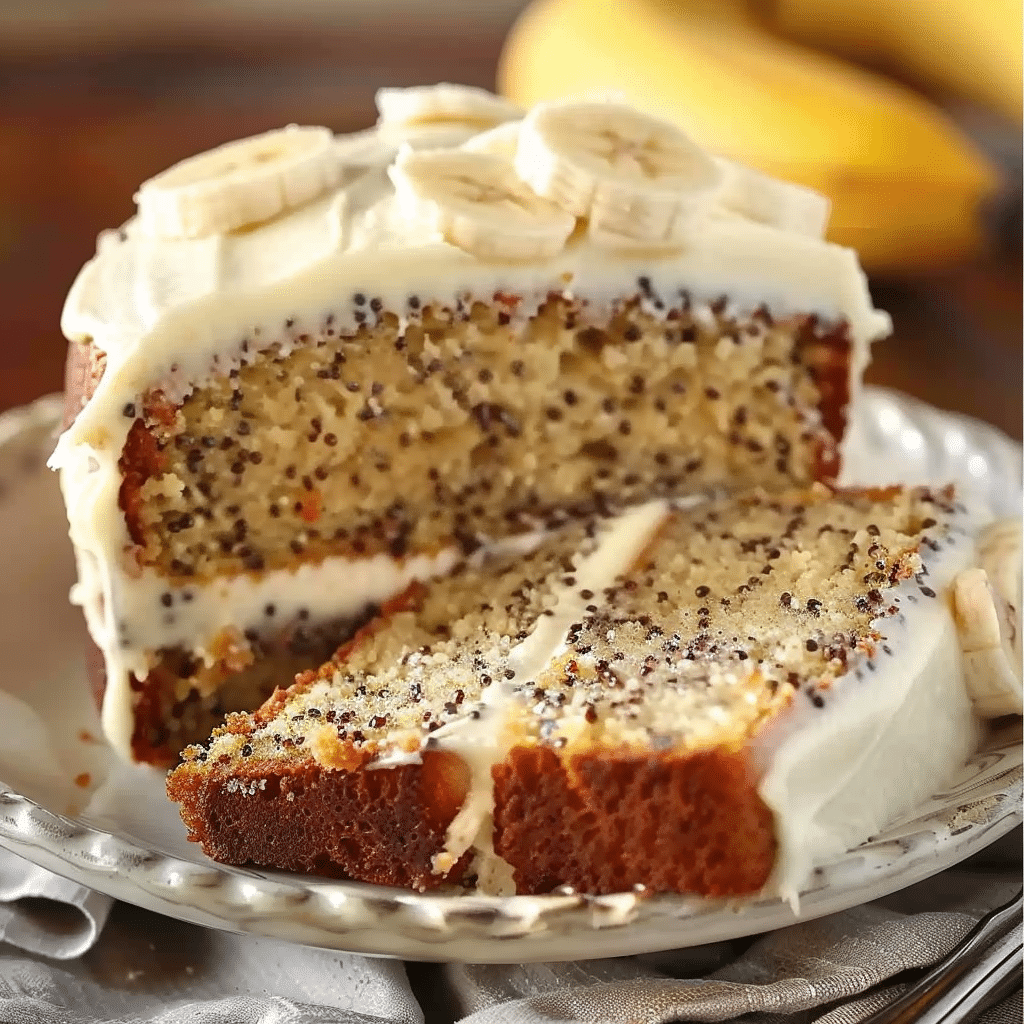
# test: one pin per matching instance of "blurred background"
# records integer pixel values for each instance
(905, 112)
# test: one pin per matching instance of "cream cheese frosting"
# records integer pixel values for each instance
(168, 312)
(895, 728)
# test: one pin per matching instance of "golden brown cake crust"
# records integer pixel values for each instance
(378, 826)
(675, 823)
(600, 821)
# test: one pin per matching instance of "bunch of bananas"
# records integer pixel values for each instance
(750, 79)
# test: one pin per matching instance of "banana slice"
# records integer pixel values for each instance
(987, 605)
(640, 181)
(1000, 554)
(501, 141)
(444, 102)
(240, 183)
(428, 134)
(476, 201)
(767, 200)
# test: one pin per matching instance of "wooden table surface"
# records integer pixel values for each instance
(79, 132)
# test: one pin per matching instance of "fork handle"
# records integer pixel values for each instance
(982, 969)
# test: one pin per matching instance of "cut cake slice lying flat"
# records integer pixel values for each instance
(708, 699)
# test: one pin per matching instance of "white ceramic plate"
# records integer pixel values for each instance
(67, 804)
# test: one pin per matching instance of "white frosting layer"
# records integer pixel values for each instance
(194, 614)
(889, 733)
(166, 313)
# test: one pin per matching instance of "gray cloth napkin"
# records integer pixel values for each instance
(146, 968)
(43, 913)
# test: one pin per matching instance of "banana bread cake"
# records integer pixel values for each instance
(708, 697)
(313, 369)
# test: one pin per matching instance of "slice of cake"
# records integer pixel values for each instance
(313, 369)
(705, 699)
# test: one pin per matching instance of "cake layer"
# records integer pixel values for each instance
(184, 696)
(460, 428)
(683, 698)
(346, 468)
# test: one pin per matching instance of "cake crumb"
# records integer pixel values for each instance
(443, 863)
(330, 752)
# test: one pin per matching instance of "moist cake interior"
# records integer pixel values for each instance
(313, 369)
(448, 427)
(432, 425)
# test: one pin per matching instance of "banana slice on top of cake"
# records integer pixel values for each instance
(706, 697)
(312, 369)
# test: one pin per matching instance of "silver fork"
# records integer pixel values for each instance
(982, 969)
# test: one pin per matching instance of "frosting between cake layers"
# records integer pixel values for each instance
(888, 733)
(155, 615)
(167, 313)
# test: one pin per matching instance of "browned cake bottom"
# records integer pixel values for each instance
(681, 824)
(688, 824)
(382, 826)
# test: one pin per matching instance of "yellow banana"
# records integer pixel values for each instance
(904, 182)
(965, 47)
